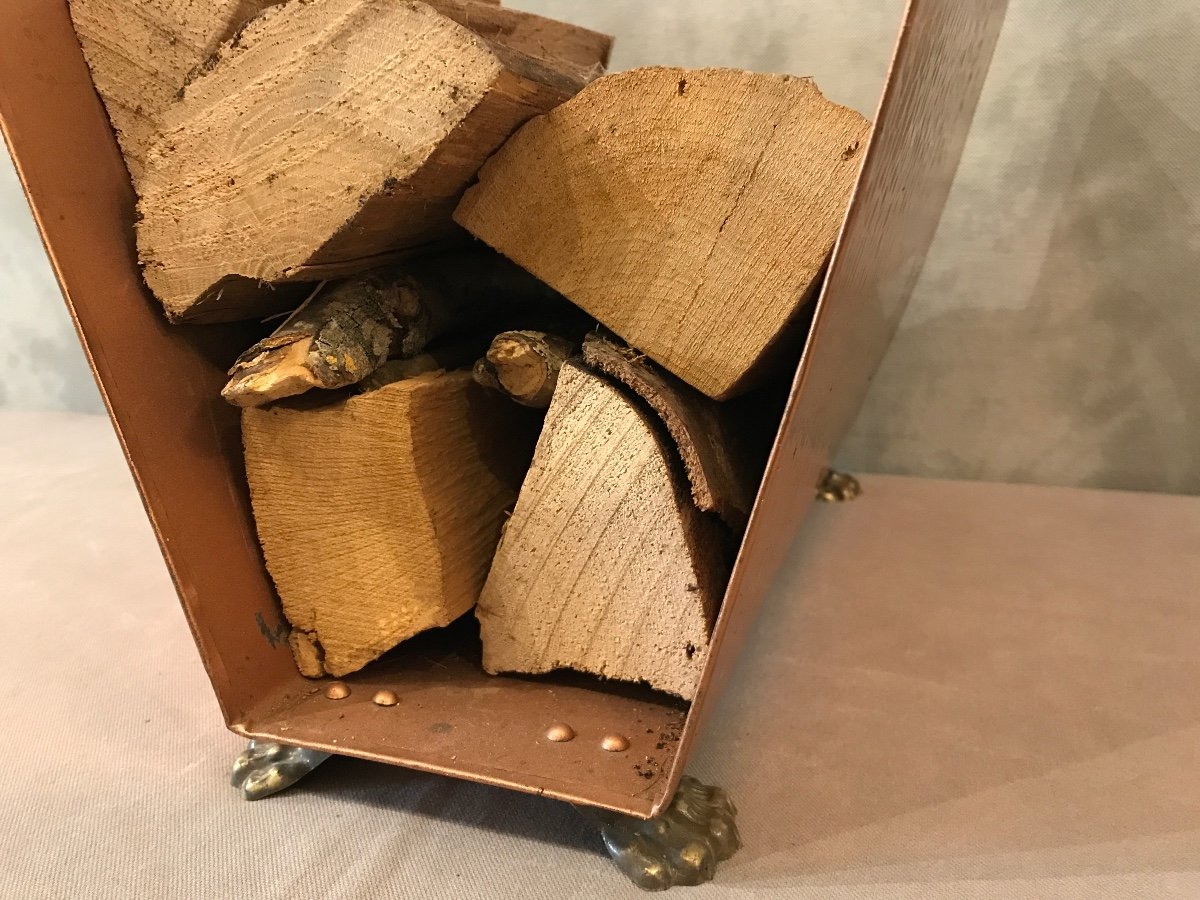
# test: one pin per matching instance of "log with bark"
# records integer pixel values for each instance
(524, 366)
(719, 449)
(700, 246)
(378, 514)
(348, 329)
(606, 566)
(328, 138)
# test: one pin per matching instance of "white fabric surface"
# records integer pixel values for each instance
(855, 779)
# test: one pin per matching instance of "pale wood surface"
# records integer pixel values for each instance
(721, 469)
(697, 244)
(370, 116)
(605, 565)
(140, 52)
(378, 514)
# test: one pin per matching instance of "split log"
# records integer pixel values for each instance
(349, 329)
(606, 566)
(378, 514)
(722, 466)
(524, 365)
(326, 139)
(697, 244)
(141, 52)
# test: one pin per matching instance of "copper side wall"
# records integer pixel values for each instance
(160, 383)
(942, 56)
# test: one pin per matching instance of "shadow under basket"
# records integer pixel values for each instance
(161, 384)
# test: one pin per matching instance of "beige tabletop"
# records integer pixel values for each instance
(956, 691)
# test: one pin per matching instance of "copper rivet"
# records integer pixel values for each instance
(339, 690)
(386, 698)
(615, 743)
(560, 733)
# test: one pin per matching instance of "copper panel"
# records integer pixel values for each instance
(161, 386)
(453, 719)
(942, 56)
(160, 383)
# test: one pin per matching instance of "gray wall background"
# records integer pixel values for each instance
(1055, 333)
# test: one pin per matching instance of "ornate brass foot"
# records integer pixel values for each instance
(682, 846)
(266, 769)
(838, 487)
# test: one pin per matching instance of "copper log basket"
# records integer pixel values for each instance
(161, 384)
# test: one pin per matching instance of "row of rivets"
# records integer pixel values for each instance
(339, 690)
(559, 733)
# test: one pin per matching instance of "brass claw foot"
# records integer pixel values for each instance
(682, 846)
(838, 487)
(266, 769)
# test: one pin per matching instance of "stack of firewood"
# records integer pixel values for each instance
(533, 311)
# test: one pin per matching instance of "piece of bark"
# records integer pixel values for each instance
(326, 139)
(349, 329)
(524, 366)
(378, 514)
(309, 656)
(722, 471)
(696, 244)
(605, 566)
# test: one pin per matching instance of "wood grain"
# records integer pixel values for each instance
(722, 470)
(605, 565)
(696, 244)
(140, 52)
(326, 138)
(378, 514)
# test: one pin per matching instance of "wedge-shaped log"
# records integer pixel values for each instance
(327, 138)
(378, 514)
(692, 212)
(606, 566)
(141, 51)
